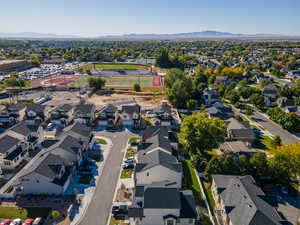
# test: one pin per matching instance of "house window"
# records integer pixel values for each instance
(37, 181)
(170, 222)
(147, 174)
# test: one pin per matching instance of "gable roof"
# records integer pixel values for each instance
(7, 142)
(236, 147)
(39, 109)
(64, 107)
(131, 109)
(242, 133)
(24, 129)
(188, 205)
(157, 157)
(161, 198)
(16, 107)
(157, 141)
(244, 201)
(155, 130)
(84, 108)
(80, 129)
(70, 144)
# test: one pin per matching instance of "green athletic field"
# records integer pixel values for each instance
(127, 81)
(114, 66)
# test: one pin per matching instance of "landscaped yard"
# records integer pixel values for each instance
(133, 139)
(113, 221)
(129, 154)
(23, 213)
(209, 195)
(126, 174)
(101, 141)
(85, 179)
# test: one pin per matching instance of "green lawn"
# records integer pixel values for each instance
(126, 81)
(101, 141)
(133, 139)
(129, 154)
(126, 174)
(190, 180)
(114, 66)
(23, 213)
(209, 195)
(263, 142)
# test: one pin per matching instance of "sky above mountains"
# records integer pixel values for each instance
(90, 18)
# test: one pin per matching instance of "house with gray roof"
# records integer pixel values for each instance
(108, 116)
(48, 174)
(130, 116)
(84, 113)
(62, 115)
(163, 205)
(163, 115)
(240, 201)
(210, 96)
(12, 152)
(35, 113)
(236, 148)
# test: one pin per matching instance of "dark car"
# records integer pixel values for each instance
(128, 166)
(120, 210)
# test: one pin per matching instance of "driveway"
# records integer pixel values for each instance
(273, 128)
(99, 208)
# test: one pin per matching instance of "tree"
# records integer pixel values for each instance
(191, 104)
(275, 142)
(285, 161)
(36, 59)
(199, 133)
(257, 99)
(259, 165)
(96, 83)
(55, 214)
(233, 96)
(136, 87)
(163, 59)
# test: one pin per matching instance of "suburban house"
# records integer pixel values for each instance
(158, 165)
(12, 152)
(33, 135)
(163, 115)
(209, 97)
(6, 118)
(219, 110)
(17, 110)
(62, 115)
(35, 114)
(270, 93)
(239, 131)
(240, 201)
(48, 174)
(164, 205)
(108, 116)
(130, 116)
(221, 80)
(84, 113)
(236, 148)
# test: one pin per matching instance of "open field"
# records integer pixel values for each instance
(114, 66)
(121, 81)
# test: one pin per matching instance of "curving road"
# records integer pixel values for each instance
(99, 208)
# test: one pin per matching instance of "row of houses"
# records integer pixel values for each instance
(159, 197)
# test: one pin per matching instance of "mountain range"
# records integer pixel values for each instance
(191, 35)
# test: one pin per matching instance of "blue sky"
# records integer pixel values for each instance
(102, 17)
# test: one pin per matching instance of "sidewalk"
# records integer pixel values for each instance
(89, 192)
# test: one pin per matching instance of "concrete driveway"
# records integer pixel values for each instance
(99, 208)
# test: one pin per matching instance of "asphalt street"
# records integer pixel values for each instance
(274, 129)
(99, 208)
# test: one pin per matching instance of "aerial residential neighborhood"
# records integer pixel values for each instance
(126, 113)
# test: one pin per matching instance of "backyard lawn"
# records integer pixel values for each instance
(23, 213)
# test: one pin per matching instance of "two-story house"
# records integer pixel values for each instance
(84, 113)
(163, 115)
(108, 116)
(48, 174)
(239, 201)
(130, 116)
(62, 115)
(270, 93)
(164, 205)
(209, 97)
(35, 114)
(12, 152)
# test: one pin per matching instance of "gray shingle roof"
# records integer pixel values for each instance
(244, 201)
(157, 141)
(84, 108)
(7, 142)
(188, 205)
(24, 129)
(131, 109)
(154, 130)
(242, 133)
(162, 198)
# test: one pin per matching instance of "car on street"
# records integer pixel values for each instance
(128, 166)
(120, 210)
(129, 160)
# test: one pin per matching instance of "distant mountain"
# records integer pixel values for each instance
(35, 35)
(201, 34)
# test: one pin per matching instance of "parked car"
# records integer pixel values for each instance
(6, 222)
(37, 221)
(28, 221)
(129, 160)
(16, 222)
(50, 126)
(128, 166)
(257, 131)
(120, 209)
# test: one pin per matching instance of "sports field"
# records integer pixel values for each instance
(114, 66)
(116, 81)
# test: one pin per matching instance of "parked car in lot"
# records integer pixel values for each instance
(128, 166)
(120, 210)
(28, 221)
(16, 222)
(6, 222)
(37, 221)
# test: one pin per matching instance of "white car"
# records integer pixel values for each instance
(16, 222)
